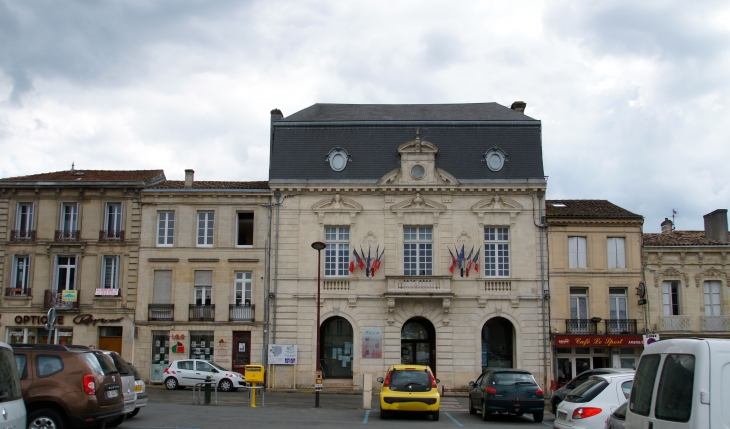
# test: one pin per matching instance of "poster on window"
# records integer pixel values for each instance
(372, 342)
(283, 354)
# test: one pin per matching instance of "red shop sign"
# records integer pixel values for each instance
(599, 340)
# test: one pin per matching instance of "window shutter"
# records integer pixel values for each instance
(117, 261)
(573, 251)
(54, 287)
(162, 288)
(612, 257)
(620, 253)
(204, 278)
(582, 252)
(667, 298)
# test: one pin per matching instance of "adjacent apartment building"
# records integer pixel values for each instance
(687, 279)
(430, 218)
(70, 240)
(595, 270)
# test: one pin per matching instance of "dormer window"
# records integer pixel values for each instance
(338, 158)
(495, 158)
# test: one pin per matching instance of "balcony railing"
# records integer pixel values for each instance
(715, 323)
(67, 235)
(621, 326)
(240, 313)
(414, 285)
(11, 291)
(160, 312)
(202, 312)
(16, 235)
(53, 299)
(581, 326)
(675, 323)
(105, 235)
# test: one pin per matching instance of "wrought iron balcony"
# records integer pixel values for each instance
(675, 323)
(53, 299)
(12, 291)
(17, 235)
(105, 235)
(205, 313)
(621, 326)
(715, 323)
(72, 235)
(581, 326)
(164, 312)
(241, 313)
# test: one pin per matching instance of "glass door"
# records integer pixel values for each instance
(160, 355)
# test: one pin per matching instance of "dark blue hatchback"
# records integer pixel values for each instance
(502, 390)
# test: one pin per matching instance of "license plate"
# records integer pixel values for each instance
(137, 388)
(562, 415)
(112, 393)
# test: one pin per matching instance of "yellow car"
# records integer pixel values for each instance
(409, 388)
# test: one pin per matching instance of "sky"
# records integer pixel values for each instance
(631, 94)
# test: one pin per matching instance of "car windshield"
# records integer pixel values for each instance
(99, 363)
(513, 378)
(134, 371)
(217, 367)
(620, 412)
(120, 364)
(587, 391)
(9, 384)
(410, 378)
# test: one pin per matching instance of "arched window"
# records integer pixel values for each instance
(336, 348)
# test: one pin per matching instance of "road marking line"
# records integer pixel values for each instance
(367, 414)
(154, 427)
(455, 421)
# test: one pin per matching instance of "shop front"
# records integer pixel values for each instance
(577, 353)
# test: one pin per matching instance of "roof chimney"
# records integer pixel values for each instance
(716, 225)
(667, 226)
(189, 178)
(275, 116)
(519, 106)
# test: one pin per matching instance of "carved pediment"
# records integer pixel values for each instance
(418, 146)
(670, 273)
(495, 204)
(418, 166)
(711, 273)
(336, 205)
(419, 206)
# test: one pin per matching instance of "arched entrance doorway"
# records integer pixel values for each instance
(498, 343)
(336, 348)
(418, 343)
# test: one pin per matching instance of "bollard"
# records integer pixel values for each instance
(208, 379)
(367, 391)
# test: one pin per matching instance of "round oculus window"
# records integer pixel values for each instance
(495, 158)
(338, 159)
(417, 172)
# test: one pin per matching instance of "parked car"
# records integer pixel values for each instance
(560, 394)
(682, 383)
(409, 388)
(188, 372)
(504, 390)
(127, 383)
(141, 388)
(617, 419)
(11, 397)
(63, 388)
(589, 405)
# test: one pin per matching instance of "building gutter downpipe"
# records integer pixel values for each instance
(267, 287)
(276, 266)
(545, 291)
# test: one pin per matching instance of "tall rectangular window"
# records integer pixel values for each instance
(577, 252)
(24, 218)
(617, 303)
(337, 253)
(65, 273)
(69, 217)
(245, 229)
(243, 288)
(417, 251)
(496, 252)
(616, 252)
(713, 304)
(203, 287)
(113, 221)
(109, 272)
(165, 229)
(162, 287)
(670, 298)
(206, 223)
(20, 284)
(578, 303)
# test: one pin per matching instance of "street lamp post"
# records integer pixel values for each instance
(318, 246)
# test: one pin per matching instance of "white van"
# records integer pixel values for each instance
(12, 407)
(682, 383)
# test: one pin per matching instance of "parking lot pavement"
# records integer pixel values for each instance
(174, 410)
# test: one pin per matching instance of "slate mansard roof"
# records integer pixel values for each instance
(371, 135)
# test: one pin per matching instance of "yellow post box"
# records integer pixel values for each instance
(254, 375)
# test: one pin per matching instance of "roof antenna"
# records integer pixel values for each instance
(72, 166)
(674, 213)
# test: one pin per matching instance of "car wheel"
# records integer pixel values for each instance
(472, 410)
(116, 422)
(383, 414)
(171, 383)
(537, 417)
(134, 413)
(45, 419)
(486, 414)
(435, 416)
(225, 385)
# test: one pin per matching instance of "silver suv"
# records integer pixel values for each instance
(128, 386)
